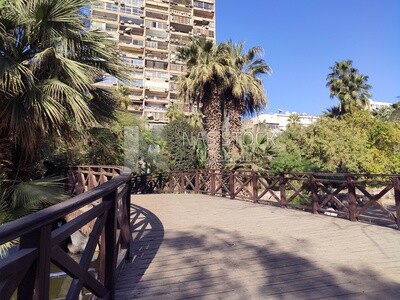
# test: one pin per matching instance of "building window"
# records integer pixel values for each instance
(203, 5)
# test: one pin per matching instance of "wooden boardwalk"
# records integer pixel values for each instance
(202, 247)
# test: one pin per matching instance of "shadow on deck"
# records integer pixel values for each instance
(194, 246)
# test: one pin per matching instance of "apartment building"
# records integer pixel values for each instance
(377, 105)
(149, 33)
(278, 122)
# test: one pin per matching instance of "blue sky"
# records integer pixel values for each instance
(303, 38)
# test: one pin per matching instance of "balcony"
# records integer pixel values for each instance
(177, 67)
(181, 2)
(135, 108)
(159, 57)
(127, 42)
(203, 32)
(104, 17)
(157, 4)
(156, 100)
(154, 45)
(156, 15)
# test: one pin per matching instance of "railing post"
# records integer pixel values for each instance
(90, 179)
(314, 195)
(282, 190)
(196, 182)
(36, 282)
(254, 183)
(108, 252)
(212, 183)
(170, 183)
(182, 187)
(396, 186)
(128, 216)
(351, 190)
(232, 184)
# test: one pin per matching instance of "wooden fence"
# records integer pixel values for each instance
(351, 196)
(27, 270)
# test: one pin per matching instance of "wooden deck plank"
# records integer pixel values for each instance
(201, 247)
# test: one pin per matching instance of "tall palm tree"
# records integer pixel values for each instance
(49, 62)
(196, 120)
(245, 92)
(207, 74)
(175, 111)
(349, 86)
(121, 94)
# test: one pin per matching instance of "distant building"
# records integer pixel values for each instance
(376, 105)
(149, 33)
(280, 121)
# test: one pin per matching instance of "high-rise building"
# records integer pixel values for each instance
(149, 33)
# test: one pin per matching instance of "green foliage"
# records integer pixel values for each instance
(291, 156)
(175, 111)
(257, 150)
(356, 142)
(49, 64)
(181, 145)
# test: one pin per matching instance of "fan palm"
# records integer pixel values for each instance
(21, 198)
(349, 86)
(175, 111)
(208, 69)
(196, 120)
(245, 92)
(49, 62)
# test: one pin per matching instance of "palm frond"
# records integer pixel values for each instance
(34, 195)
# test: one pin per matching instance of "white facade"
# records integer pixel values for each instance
(376, 105)
(280, 121)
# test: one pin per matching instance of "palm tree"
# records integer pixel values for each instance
(294, 119)
(196, 120)
(122, 96)
(49, 62)
(349, 86)
(175, 111)
(245, 92)
(206, 76)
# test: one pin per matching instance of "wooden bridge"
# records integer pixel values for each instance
(191, 245)
(202, 247)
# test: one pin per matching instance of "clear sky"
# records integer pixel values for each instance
(303, 38)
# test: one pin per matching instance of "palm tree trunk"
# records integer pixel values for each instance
(213, 126)
(235, 127)
(6, 157)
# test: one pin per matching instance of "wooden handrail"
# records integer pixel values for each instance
(320, 190)
(28, 269)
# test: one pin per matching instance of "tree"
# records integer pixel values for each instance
(294, 119)
(179, 137)
(357, 143)
(245, 92)
(121, 94)
(175, 111)
(349, 86)
(49, 63)
(206, 77)
(196, 120)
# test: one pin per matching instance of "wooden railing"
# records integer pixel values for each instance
(27, 270)
(343, 195)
